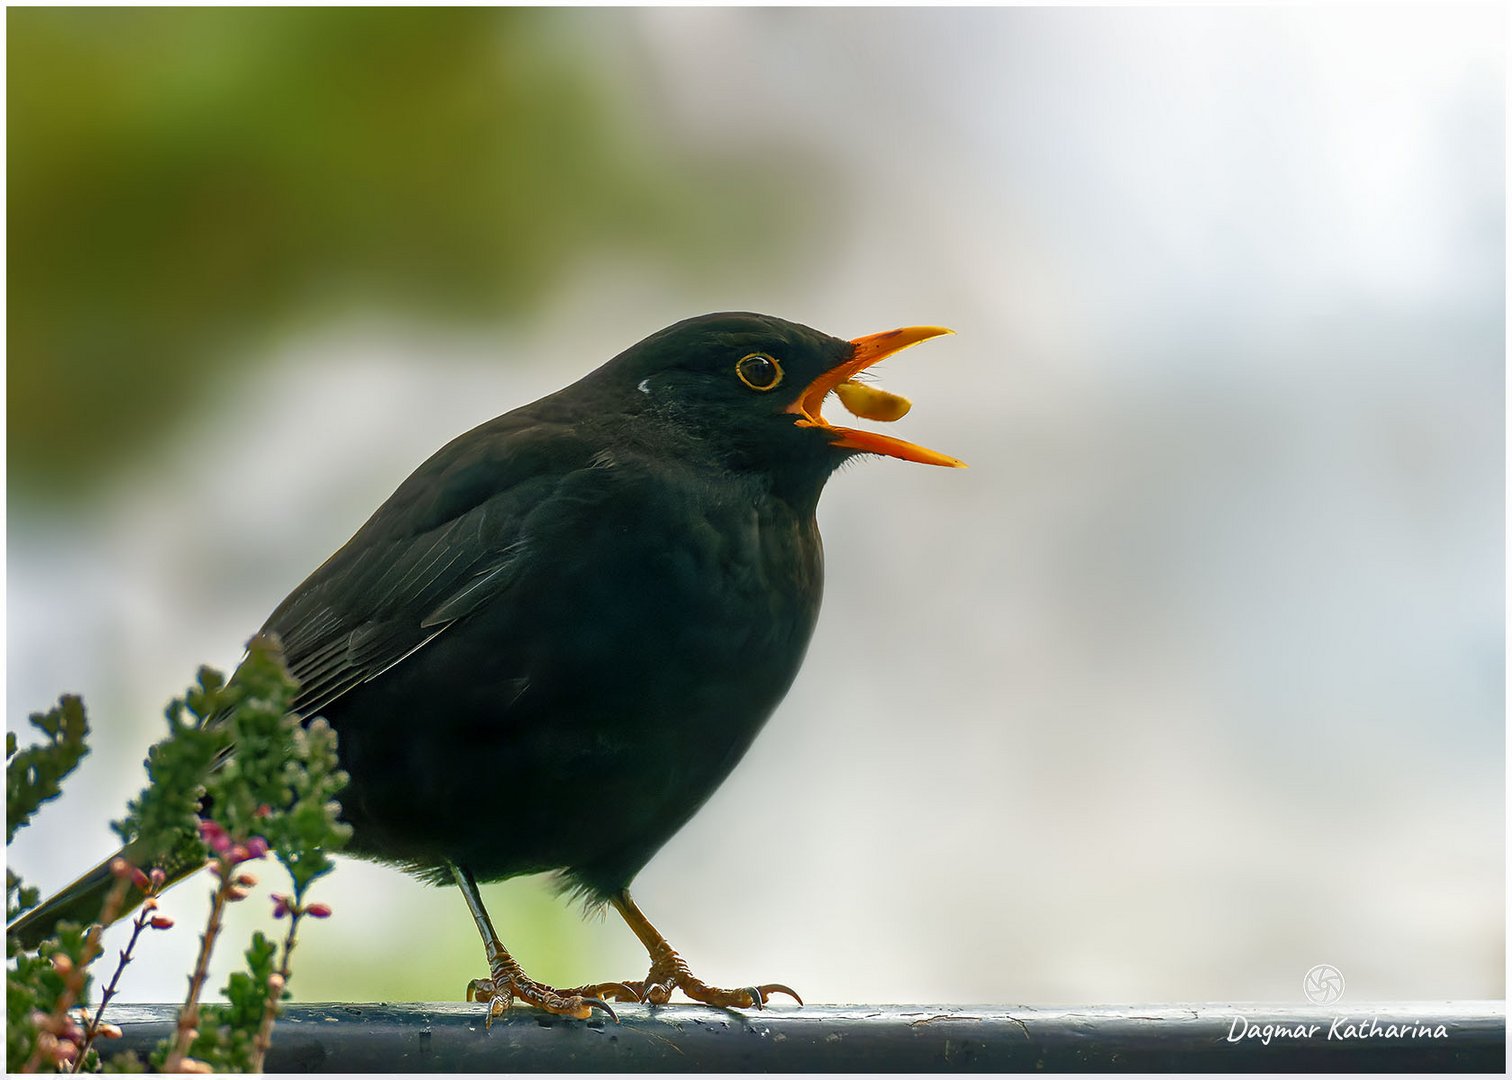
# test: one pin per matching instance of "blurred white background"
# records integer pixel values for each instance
(1192, 681)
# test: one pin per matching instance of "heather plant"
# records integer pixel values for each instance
(203, 807)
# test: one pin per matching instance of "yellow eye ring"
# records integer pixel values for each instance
(759, 371)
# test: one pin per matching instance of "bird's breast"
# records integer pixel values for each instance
(689, 592)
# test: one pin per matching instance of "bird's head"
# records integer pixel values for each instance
(753, 387)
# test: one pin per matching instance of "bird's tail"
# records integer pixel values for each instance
(83, 902)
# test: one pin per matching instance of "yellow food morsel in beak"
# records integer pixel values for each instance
(870, 403)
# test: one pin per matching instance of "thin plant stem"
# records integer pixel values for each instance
(275, 993)
(188, 1021)
(137, 926)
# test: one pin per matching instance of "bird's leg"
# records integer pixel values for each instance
(670, 972)
(507, 980)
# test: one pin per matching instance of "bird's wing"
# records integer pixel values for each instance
(357, 621)
(449, 540)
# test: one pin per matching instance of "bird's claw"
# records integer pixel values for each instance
(597, 1003)
(764, 992)
(747, 997)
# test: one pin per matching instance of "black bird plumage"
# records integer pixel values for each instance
(596, 599)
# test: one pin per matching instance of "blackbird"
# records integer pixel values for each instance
(597, 598)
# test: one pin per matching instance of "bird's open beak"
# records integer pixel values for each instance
(868, 351)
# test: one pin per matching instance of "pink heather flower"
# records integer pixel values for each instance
(318, 911)
(157, 877)
(282, 905)
(160, 922)
(255, 848)
(215, 837)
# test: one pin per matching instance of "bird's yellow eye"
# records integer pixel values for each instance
(759, 371)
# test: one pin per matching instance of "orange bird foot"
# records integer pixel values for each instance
(670, 972)
(656, 989)
(509, 984)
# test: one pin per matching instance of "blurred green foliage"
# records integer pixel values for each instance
(185, 182)
(35, 775)
(163, 819)
(34, 984)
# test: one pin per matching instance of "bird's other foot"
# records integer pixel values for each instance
(670, 972)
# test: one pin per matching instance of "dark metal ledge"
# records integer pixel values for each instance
(1457, 1036)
